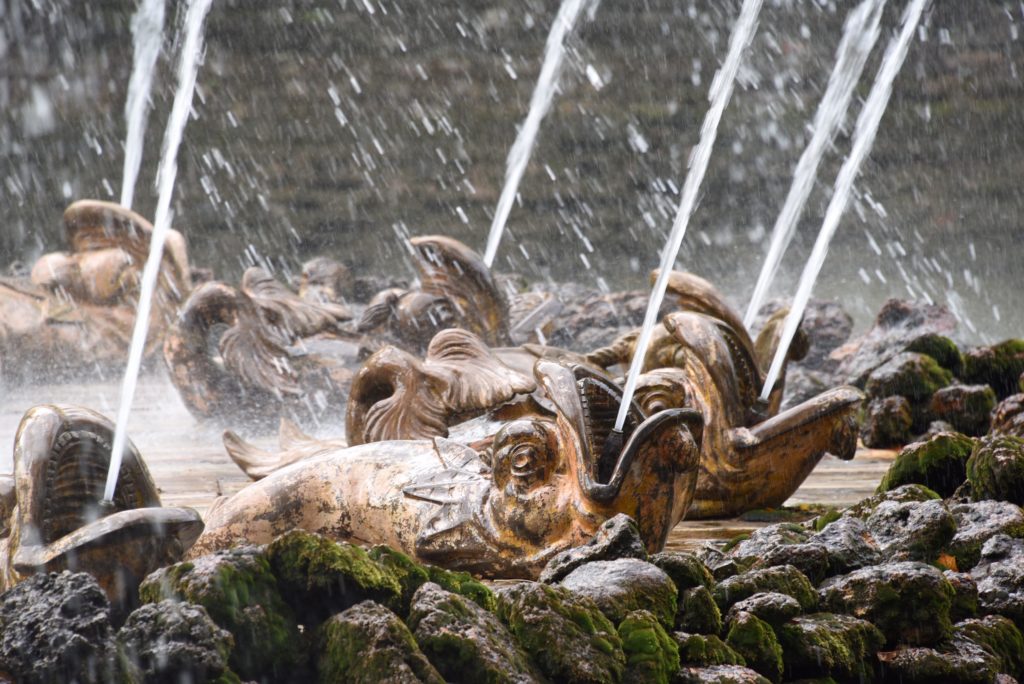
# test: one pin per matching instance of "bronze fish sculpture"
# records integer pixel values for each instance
(51, 516)
(543, 484)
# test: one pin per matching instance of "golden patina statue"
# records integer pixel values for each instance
(77, 309)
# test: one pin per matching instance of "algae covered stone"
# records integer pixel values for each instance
(965, 597)
(941, 348)
(621, 586)
(784, 579)
(770, 606)
(698, 612)
(939, 463)
(755, 640)
(566, 634)
(1000, 577)
(967, 408)
(366, 644)
(1008, 416)
(651, 654)
(463, 584)
(887, 422)
(998, 366)
(999, 637)
(996, 469)
(829, 645)
(685, 569)
(914, 530)
(908, 374)
(705, 649)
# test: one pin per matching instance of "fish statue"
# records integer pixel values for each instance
(52, 516)
(541, 484)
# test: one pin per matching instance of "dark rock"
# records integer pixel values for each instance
(464, 641)
(618, 537)
(772, 607)
(565, 634)
(720, 674)
(828, 645)
(1000, 577)
(170, 642)
(848, 545)
(967, 664)
(55, 628)
(941, 348)
(621, 586)
(976, 523)
(965, 599)
(782, 544)
(705, 649)
(912, 375)
(911, 531)
(938, 462)
(367, 644)
(909, 602)
(685, 569)
(999, 637)
(411, 576)
(967, 408)
(651, 655)
(996, 469)
(805, 383)
(865, 507)
(755, 640)
(999, 366)
(698, 612)
(240, 594)
(784, 579)
(1008, 416)
(888, 422)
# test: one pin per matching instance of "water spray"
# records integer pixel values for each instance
(859, 37)
(863, 137)
(147, 29)
(187, 70)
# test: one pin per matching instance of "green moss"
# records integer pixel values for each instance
(999, 637)
(824, 644)
(784, 579)
(698, 612)
(732, 543)
(998, 366)
(705, 650)
(941, 348)
(410, 574)
(996, 469)
(939, 463)
(464, 584)
(685, 569)
(829, 516)
(755, 640)
(912, 375)
(651, 655)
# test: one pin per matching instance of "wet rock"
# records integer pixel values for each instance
(55, 628)
(463, 641)
(784, 579)
(999, 637)
(239, 592)
(848, 545)
(965, 598)
(1000, 577)
(912, 375)
(938, 462)
(996, 469)
(322, 577)
(720, 674)
(565, 634)
(698, 612)
(705, 649)
(782, 544)
(411, 576)
(367, 643)
(828, 645)
(977, 523)
(941, 348)
(910, 602)
(967, 408)
(999, 366)
(911, 531)
(805, 383)
(968, 664)
(170, 642)
(685, 569)
(1008, 416)
(621, 586)
(651, 655)
(755, 640)
(463, 584)
(888, 422)
(865, 507)
(770, 606)
(618, 537)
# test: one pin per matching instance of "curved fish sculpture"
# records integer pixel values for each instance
(52, 519)
(77, 310)
(543, 484)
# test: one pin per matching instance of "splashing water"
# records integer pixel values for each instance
(147, 29)
(540, 103)
(863, 138)
(721, 91)
(187, 70)
(859, 36)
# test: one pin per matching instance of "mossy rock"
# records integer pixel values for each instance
(914, 530)
(977, 523)
(887, 422)
(996, 469)
(999, 637)
(784, 579)
(825, 519)
(705, 649)
(967, 408)
(720, 674)
(941, 348)
(755, 640)
(1008, 416)
(464, 584)
(409, 574)
(366, 644)
(651, 655)
(240, 593)
(965, 597)
(939, 463)
(829, 645)
(914, 492)
(698, 612)
(685, 569)
(999, 366)
(621, 586)
(959, 663)
(770, 606)
(321, 577)
(566, 635)
(909, 374)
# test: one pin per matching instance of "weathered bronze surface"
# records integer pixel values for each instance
(543, 484)
(78, 308)
(52, 518)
